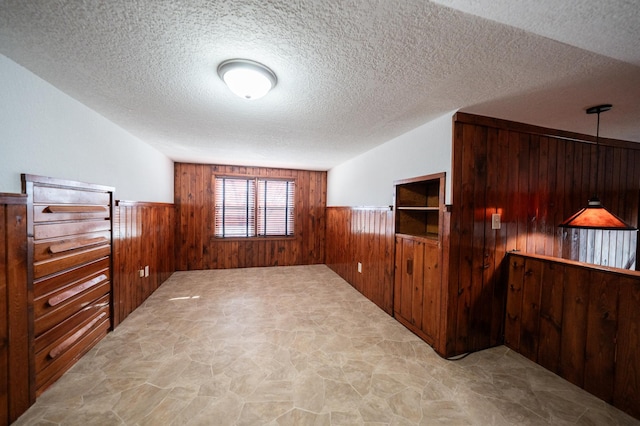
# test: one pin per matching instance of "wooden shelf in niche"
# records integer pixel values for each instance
(418, 205)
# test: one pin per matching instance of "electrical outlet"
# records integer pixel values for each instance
(359, 267)
(495, 221)
(146, 271)
(141, 273)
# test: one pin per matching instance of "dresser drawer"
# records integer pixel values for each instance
(67, 212)
(64, 344)
(69, 326)
(44, 286)
(60, 305)
(54, 195)
(44, 250)
(62, 229)
(41, 269)
(51, 256)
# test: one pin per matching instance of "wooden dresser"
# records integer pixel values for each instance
(69, 233)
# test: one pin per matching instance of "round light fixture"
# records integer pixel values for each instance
(247, 79)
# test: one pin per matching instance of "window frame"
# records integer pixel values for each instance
(255, 179)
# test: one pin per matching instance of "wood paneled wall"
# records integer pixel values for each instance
(17, 388)
(196, 246)
(363, 235)
(534, 178)
(580, 322)
(143, 235)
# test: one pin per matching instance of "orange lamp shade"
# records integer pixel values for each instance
(595, 216)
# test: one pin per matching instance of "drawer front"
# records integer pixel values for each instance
(45, 250)
(41, 269)
(71, 325)
(46, 195)
(55, 369)
(67, 212)
(56, 282)
(58, 306)
(59, 349)
(63, 229)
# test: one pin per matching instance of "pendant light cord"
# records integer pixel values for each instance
(597, 110)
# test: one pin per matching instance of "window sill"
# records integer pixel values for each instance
(253, 239)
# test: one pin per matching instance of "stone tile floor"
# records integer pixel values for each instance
(295, 346)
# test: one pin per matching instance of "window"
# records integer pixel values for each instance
(254, 207)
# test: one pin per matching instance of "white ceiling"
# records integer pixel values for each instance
(352, 74)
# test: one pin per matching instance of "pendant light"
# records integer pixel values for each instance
(247, 79)
(595, 215)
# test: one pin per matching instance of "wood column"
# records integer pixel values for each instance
(17, 389)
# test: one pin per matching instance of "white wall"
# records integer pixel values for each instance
(367, 180)
(45, 132)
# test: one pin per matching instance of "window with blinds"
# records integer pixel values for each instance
(254, 207)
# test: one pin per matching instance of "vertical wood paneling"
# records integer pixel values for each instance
(534, 178)
(498, 272)
(568, 189)
(533, 199)
(455, 238)
(480, 298)
(530, 314)
(550, 324)
(554, 212)
(4, 317)
(574, 324)
(17, 390)
(627, 379)
(465, 205)
(588, 325)
(602, 323)
(417, 289)
(523, 189)
(363, 235)
(143, 236)
(543, 203)
(492, 245)
(196, 246)
(513, 318)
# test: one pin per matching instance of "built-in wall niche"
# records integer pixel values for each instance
(418, 203)
(418, 285)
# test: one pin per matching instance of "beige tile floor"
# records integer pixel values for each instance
(295, 346)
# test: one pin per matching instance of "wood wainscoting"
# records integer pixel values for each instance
(17, 386)
(196, 246)
(143, 236)
(581, 322)
(363, 235)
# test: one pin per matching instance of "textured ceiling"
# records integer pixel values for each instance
(351, 74)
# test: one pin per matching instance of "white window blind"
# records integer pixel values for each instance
(235, 207)
(275, 207)
(253, 207)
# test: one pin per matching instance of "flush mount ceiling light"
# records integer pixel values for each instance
(247, 79)
(595, 215)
